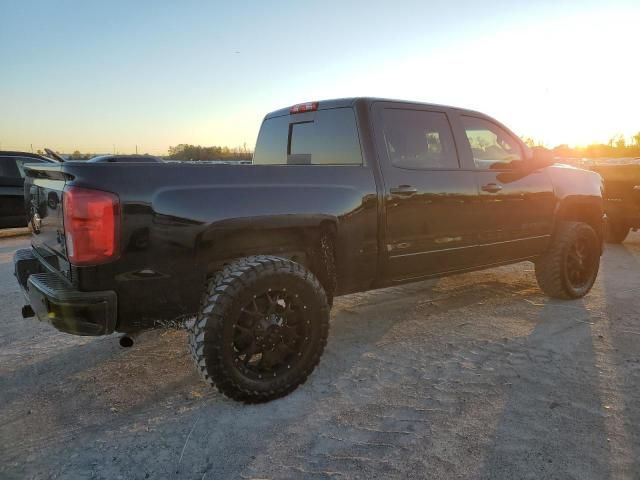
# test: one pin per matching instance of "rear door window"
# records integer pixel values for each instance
(327, 137)
(419, 140)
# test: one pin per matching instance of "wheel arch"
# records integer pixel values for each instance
(588, 210)
(299, 240)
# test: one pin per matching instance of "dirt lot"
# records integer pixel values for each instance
(473, 376)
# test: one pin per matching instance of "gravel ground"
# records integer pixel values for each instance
(472, 376)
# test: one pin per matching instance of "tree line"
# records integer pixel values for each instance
(197, 153)
(183, 151)
(617, 147)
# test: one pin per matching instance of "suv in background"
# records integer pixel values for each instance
(12, 209)
(125, 159)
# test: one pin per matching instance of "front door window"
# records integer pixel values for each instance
(492, 147)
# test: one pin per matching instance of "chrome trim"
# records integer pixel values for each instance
(471, 246)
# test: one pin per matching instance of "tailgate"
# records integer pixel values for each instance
(43, 188)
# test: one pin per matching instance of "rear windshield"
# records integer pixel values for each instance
(326, 137)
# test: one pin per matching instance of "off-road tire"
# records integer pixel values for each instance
(227, 292)
(616, 231)
(552, 268)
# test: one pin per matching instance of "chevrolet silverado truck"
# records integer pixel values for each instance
(342, 196)
(621, 198)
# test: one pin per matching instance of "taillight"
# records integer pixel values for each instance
(304, 107)
(91, 224)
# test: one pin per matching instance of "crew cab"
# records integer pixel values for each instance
(621, 197)
(342, 196)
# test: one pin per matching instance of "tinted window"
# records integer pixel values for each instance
(492, 147)
(301, 146)
(419, 140)
(271, 146)
(330, 137)
(8, 167)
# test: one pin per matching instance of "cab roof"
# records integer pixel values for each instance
(352, 101)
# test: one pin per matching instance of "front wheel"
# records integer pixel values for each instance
(570, 266)
(262, 328)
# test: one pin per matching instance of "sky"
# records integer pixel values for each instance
(119, 75)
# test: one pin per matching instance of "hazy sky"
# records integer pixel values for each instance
(89, 75)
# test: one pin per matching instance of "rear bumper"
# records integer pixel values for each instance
(55, 301)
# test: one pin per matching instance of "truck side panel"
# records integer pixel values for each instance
(180, 221)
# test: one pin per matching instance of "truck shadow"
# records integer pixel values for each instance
(620, 331)
(551, 423)
(589, 401)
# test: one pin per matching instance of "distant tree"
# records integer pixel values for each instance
(77, 155)
(532, 142)
(188, 152)
(616, 147)
(563, 151)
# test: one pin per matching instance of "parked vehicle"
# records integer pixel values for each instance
(125, 159)
(12, 211)
(621, 198)
(342, 196)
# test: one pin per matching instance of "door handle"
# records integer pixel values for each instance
(403, 190)
(491, 188)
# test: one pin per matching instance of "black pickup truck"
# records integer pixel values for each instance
(342, 196)
(621, 197)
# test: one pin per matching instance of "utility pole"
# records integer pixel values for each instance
(136, 149)
(114, 148)
(32, 148)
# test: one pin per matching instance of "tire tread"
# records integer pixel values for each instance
(221, 290)
(549, 268)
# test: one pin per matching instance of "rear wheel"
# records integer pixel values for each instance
(262, 328)
(616, 231)
(570, 266)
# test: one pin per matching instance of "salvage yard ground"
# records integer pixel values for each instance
(472, 376)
